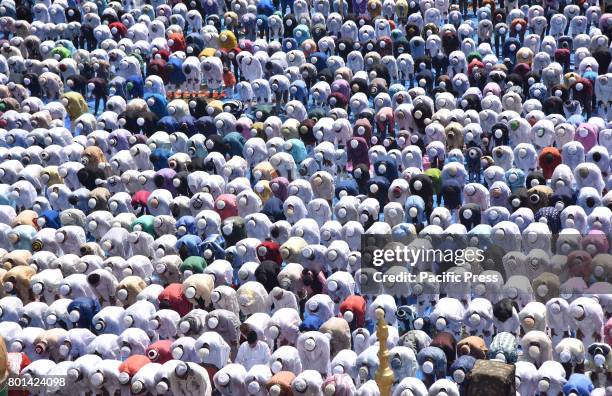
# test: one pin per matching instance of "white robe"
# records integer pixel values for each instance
(250, 356)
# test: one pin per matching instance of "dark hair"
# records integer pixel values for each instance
(502, 310)
(252, 337)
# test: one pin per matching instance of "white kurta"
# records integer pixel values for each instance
(249, 356)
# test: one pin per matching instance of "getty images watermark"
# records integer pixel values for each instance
(409, 256)
(486, 264)
(395, 265)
